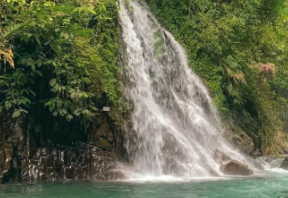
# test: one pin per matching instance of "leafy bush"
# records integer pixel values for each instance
(58, 55)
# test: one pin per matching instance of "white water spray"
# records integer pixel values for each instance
(173, 128)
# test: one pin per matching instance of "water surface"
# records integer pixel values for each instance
(261, 187)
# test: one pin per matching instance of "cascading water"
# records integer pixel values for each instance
(173, 128)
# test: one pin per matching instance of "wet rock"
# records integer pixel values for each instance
(54, 176)
(68, 173)
(50, 161)
(33, 172)
(83, 160)
(256, 153)
(24, 154)
(25, 170)
(2, 159)
(110, 138)
(220, 157)
(248, 144)
(79, 173)
(105, 166)
(236, 168)
(6, 176)
(113, 175)
(71, 158)
(243, 142)
(46, 162)
(284, 164)
(42, 176)
(271, 161)
(118, 175)
(8, 159)
(172, 166)
(38, 153)
(5, 172)
(43, 163)
(62, 156)
(1, 178)
(104, 144)
(19, 134)
(15, 171)
(45, 151)
(102, 134)
(54, 162)
(32, 148)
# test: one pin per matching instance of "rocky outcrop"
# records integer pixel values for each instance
(229, 166)
(102, 135)
(26, 156)
(57, 162)
(236, 168)
(284, 164)
(6, 164)
(243, 142)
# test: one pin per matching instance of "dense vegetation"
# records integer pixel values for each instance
(240, 49)
(58, 61)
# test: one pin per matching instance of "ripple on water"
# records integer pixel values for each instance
(261, 187)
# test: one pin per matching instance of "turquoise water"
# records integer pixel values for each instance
(265, 187)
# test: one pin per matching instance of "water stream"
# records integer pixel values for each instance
(174, 129)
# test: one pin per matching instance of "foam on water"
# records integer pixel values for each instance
(140, 178)
(273, 166)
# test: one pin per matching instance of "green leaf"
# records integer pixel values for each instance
(53, 82)
(16, 114)
(69, 117)
(51, 106)
(33, 67)
(38, 41)
(8, 105)
(86, 80)
(66, 36)
(62, 34)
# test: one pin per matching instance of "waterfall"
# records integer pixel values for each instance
(173, 129)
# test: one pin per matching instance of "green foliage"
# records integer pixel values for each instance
(65, 57)
(226, 42)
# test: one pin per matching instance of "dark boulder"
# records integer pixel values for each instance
(2, 159)
(243, 142)
(68, 173)
(236, 168)
(54, 162)
(284, 164)
(8, 159)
